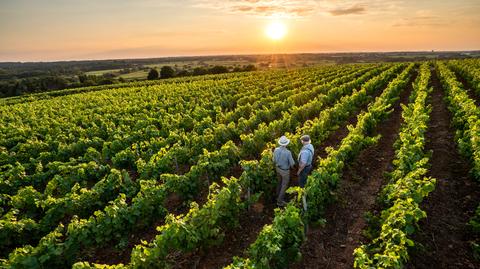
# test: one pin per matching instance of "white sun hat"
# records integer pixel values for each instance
(283, 141)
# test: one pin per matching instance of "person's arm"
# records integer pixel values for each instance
(301, 163)
(300, 168)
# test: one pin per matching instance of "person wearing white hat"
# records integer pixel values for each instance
(282, 157)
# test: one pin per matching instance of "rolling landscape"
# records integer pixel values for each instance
(145, 134)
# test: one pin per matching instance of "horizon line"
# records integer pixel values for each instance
(240, 54)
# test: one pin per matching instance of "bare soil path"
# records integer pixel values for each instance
(468, 88)
(443, 238)
(240, 239)
(332, 246)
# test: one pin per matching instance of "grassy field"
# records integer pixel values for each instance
(140, 74)
(101, 72)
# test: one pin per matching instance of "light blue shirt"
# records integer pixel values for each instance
(306, 154)
(282, 157)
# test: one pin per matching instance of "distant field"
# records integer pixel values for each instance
(193, 64)
(190, 65)
(101, 72)
(135, 75)
(141, 74)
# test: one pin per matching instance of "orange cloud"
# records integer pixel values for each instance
(348, 11)
(265, 8)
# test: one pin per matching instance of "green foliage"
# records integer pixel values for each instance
(469, 71)
(272, 249)
(278, 244)
(167, 72)
(474, 224)
(252, 176)
(260, 175)
(171, 141)
(466, 117)
(325, 178)
(153, 74)
(466, 120)
(407, 187)
(390, 248)
(86, 265)
(205, 226)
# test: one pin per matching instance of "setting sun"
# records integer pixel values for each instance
(276, 30)
(175, 126)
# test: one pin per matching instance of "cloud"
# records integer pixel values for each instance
(348, 11)
(302, 8)
(263, 8)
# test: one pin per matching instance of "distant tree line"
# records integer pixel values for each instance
(169, 72)
(18, 81)
(20, 86)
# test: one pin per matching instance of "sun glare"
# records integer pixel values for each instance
(276, 30)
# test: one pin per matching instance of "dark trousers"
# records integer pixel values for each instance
(302, 178)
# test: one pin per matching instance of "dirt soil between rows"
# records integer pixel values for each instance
(332, 246)
(240, 239)
(234, 243)
(174, 204)
(468, 88)
(443, 238)
(237, 241)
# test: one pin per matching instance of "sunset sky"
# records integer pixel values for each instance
(45, 30)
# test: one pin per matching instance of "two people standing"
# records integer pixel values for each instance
(282, 157)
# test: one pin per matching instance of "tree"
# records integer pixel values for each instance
(183, 73)
(153, 74)
(82, 78)
(167, 72)
(249, 67)
(218, 69)
(197, 71)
